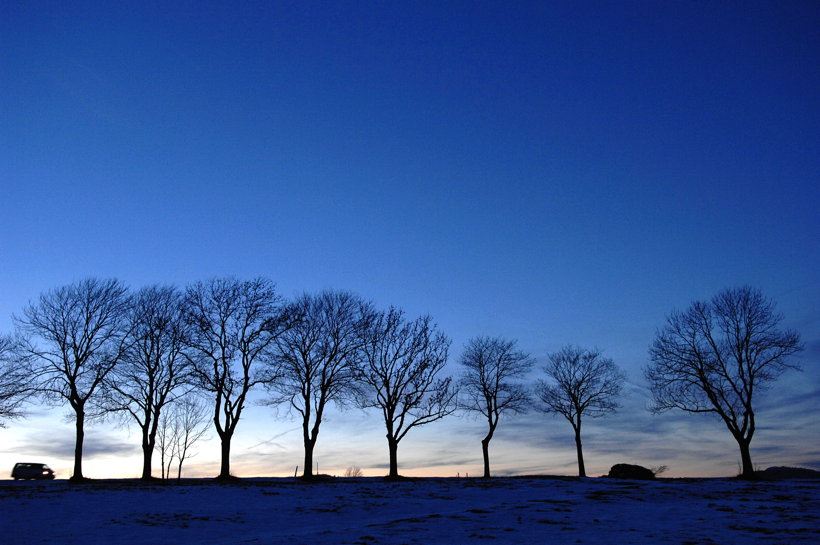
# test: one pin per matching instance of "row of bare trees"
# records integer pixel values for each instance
(155, 356)
(712, 358)
(578, 382)
(103, 351)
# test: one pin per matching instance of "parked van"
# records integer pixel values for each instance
(26, 470)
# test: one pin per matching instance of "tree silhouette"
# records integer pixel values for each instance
(581, 383)
(714, 357)
(317, 358)
(73, 337)
(165, 443)
(14, 380)
(153, 370)
(402, 360)
(232, 324)
(189, 423)
(489, 384)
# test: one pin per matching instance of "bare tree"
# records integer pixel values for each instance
(190, 424)
(231, 326)
(15, 381)
(318, 357)
(716, 355)
(153, 370)
(165, 442)
(74, 336)
(184, 422)
(353, 471)
(402, 360)
(582, 383)
(490, 383)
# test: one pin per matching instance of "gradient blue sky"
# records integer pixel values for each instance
(550, 172)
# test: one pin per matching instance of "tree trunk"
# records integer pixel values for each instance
(581, 470)
(393, 447)
(485, 450)
(492, 420)
(225, 468)
(148, 442)
(78, 445)
(147, 454)
(308, 468)
(748, 471)
(162, 462)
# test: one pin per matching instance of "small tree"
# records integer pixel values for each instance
(353, 471)
(165, 442)
(714, 357)
(190, 424)
(489, 384)
(581, 383)
(317, 358)
(402, 360)
(73, 337)
(231, 324)
(184, 422)
(153, 370)
(14, 380)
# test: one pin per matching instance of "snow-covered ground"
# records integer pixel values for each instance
(425, 511)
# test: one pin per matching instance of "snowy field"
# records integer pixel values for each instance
(424, 511)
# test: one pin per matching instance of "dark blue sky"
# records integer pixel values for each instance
(552, 172)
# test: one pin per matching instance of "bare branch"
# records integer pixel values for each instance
(15, 379)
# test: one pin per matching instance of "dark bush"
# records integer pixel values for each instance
(629, 471)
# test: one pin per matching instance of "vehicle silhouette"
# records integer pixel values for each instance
(25, 470)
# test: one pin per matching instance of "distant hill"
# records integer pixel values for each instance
(776, 473)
